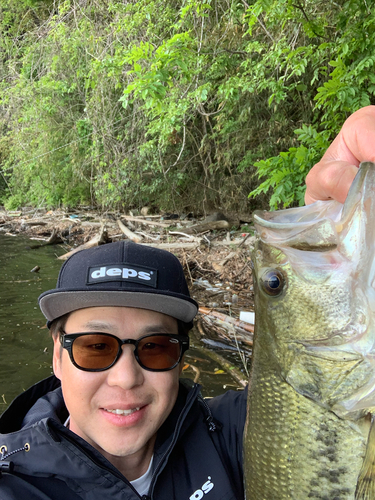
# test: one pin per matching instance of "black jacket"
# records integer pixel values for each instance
(198, 451)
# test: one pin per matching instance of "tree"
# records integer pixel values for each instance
(179, 106)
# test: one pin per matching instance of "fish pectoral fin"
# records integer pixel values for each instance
(366, 480)
(321, 349)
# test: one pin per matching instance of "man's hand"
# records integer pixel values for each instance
(333, 175)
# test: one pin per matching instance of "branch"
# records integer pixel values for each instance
(300, 7)
(180, 153)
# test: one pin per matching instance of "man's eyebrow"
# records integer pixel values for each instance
(158, 328)
(100, 326)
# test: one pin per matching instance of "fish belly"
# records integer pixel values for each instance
(295, 449)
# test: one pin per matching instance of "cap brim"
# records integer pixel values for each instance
(54, 305)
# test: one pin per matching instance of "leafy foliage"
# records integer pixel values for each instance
(175, 105)
(327, 59)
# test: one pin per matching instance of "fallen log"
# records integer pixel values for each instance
(207, 226)
(132, 236)
(147, 222)
(97, 240)
(227, 319)
(52, 240)
(226, 332)
(35, 222)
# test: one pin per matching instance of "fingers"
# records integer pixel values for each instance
(329, 180)
(332, 176)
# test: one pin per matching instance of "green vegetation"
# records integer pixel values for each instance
(176, 105)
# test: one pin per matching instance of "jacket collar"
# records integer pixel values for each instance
(30, 404)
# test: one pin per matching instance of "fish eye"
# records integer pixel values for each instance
(272, 282)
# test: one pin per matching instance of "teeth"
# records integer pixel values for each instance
(123, 412)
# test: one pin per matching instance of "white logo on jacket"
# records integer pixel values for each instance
(203, 490)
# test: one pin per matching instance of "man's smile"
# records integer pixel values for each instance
(122, 412)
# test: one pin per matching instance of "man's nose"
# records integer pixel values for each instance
(126, 372)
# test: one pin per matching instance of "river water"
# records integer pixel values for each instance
(25, 344)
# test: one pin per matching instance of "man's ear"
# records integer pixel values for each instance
(57, 357)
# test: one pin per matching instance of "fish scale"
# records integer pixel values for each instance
(309, 431)
(296, 449)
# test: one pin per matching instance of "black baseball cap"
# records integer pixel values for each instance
(121, 274)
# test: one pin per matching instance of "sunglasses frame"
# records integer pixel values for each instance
(67, 340)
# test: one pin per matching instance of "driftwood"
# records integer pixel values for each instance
(132, 236)
(236, 242)
(219, 266)
(172, 246)
(147, 222)
(87, 223)
(35, 222)
(136, 217)
(227, 258)
(191, 237)
(190, 245)
(227, 333)
(155, 238)
(207, 226)
(227, 319)
(234, 372)
(52, 240)
(98, 239)
(196, 370)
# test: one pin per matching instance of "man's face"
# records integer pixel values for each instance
(92, 397)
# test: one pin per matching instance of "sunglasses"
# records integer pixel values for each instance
(96, 352)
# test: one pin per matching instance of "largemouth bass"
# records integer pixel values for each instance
(309, 431)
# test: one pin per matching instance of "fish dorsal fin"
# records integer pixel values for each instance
(366, 480)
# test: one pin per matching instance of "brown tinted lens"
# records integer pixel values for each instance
(94, 351)
(159, 352)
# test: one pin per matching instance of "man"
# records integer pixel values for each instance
(115, 421)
